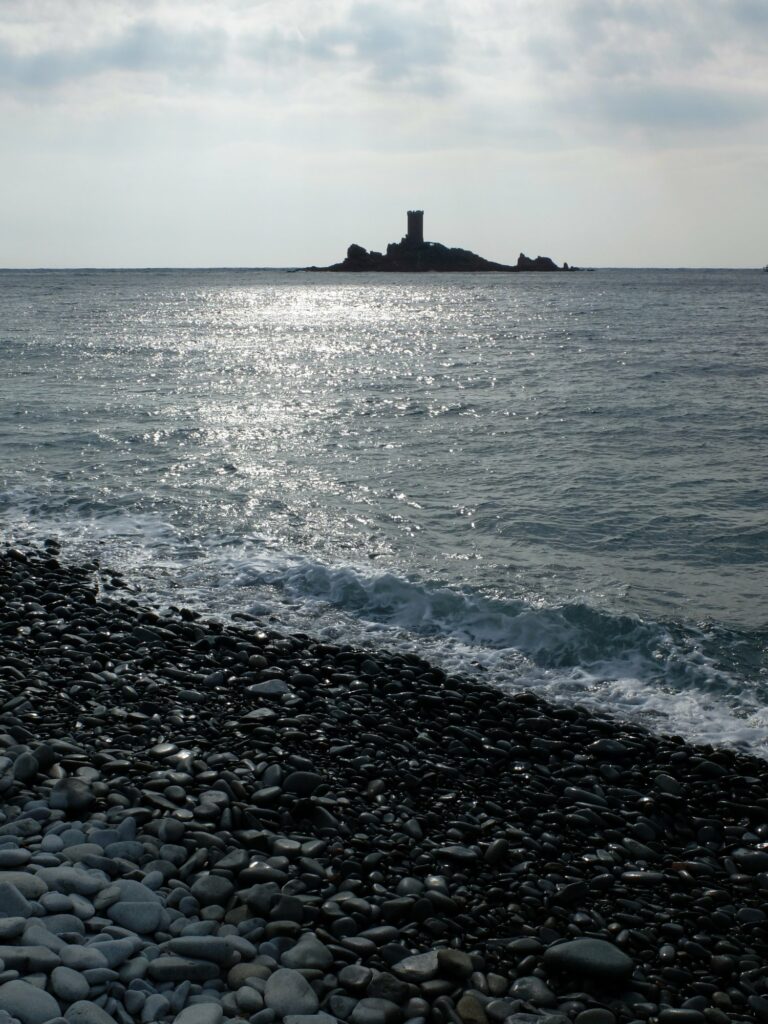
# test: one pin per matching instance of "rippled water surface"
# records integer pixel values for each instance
(557, 480)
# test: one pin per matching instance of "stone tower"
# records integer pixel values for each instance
(415, 234)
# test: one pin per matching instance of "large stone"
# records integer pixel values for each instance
(28, 1003)
(71, 795)
(269, 688)
(310, 1018)
(288, 991)
(126, 890)
(355, 978)
(86, 1012)
(29, 959)
(308, 954)
(593, 959)
(533, 990)
(30, 886)
(14, 857)
(454, 963)
(141, 918)
(83, 958)
(418, 968)
(177, 968)
(751, 862)
(386, 986)
(220, 951)
(200, 1013)
(212, 890)
(302, 783)
(36, 934)
(68, 880)
(471, 1010)
(376, 1011)
(117, 951)
(11, 927)
(25, 767)
(69, 985)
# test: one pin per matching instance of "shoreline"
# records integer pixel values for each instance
(268, 827)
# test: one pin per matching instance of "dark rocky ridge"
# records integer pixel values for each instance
(203, 818)
(413, 255)
(432, 256)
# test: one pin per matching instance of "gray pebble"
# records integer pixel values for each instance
(176, 968)
(86, 1012)
(28, 1003)
(376, 1011)
(200, 1013)
(212, 889)
(69, 985)
(533, 990)
(418, 968)
(309, 952)
(30, 886)
(71, 795)
(288, 991)
(591, 958)
(309, 1018)
(141, 918)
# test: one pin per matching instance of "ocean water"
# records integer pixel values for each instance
(555, 482)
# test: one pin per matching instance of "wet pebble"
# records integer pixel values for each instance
(203, 819)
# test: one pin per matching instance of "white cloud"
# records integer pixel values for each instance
(377, 98)
(623, 63)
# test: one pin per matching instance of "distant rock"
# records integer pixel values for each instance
(540, 263)
(413, 255)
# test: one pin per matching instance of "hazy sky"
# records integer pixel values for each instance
(276, 132)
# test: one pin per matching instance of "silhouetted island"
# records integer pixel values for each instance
(412, 254)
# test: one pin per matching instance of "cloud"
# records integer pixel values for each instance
(389, 46)
(670, 70)
(510, 70)
(676, 107)
(653, 38)
(406, 46)
(144, 46)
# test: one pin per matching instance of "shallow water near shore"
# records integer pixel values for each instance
(556, 482)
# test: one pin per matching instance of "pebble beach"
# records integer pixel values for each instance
(206, 820)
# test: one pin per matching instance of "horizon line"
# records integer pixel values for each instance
(384, 273)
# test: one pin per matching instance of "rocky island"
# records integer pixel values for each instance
(413, 255)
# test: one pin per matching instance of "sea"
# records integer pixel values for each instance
(554, 482)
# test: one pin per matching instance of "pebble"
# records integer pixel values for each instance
(86, 1012)
(590, 958)
(12, 901)
(533, 990)
(288, 991)
(29, 886)
(418, 968)
(200, 1013)
(595, 1015)
(203, 820)
(376, 1011)
(71, 795)
(143, 918)
(28, 1003)
(212, 889)
(69, 985)
(308, 953)
(177, 968)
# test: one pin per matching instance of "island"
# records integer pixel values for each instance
(413, 255)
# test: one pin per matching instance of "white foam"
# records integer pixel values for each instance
(621, 665)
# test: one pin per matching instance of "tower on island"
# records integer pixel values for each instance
(415, 235)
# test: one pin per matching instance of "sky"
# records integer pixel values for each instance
(277, 132)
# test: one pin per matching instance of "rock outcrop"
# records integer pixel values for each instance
(413, 255)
